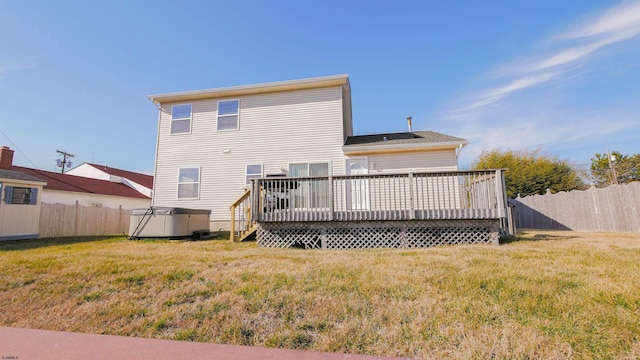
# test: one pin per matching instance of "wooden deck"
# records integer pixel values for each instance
(467, 196)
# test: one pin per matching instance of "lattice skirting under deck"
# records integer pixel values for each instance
(377, 234)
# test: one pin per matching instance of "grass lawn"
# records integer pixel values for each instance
(562, 295)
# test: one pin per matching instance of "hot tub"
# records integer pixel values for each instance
(167, 222)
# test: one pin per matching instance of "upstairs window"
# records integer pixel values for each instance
(189, 183)
(253, 171)
(181, 119)
(228, 115)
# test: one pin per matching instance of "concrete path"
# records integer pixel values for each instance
(27, 344)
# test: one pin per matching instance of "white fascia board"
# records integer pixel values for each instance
(363, 149)
(311, 83)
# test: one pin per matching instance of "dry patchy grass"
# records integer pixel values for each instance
(561, 295)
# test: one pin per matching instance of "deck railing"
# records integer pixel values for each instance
(476, 194)
(241, 221)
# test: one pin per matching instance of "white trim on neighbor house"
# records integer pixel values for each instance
(89, 199)
(134, 185)
(89, 171)
(189, 183)
(190, 119)
(229, 115)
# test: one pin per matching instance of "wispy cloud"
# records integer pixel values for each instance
(621, 19)
(508, 113)
(7, 66)
(617, 24)
(492, 95)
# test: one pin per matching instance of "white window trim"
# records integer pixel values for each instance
(190, 120)
(199, 182)
(218, 115)
(246, 168)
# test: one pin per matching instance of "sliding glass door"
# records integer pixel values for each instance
(310, 194)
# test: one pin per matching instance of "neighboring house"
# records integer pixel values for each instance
(20, 199)
(140, 182)
(69, 189)
(211, 143)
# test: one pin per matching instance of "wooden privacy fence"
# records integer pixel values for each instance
(76, 220)
(614, 208)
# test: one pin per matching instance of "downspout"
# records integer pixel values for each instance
(458, 150)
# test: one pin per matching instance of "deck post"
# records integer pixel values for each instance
(232, 229)
(501, 195)
(412, 207)
(255, 199)
(331, 206)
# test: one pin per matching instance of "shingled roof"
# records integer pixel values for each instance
(404, 140)
(415, 137)
(18, 175)
(65, 182)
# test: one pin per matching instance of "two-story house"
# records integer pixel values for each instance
(211, 143)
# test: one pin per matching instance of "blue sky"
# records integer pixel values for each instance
(561, 76)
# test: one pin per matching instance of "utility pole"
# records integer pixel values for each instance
(612, 168)
(64, 161)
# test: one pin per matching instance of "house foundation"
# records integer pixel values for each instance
(377, 234)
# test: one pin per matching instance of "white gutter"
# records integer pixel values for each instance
(351, 149)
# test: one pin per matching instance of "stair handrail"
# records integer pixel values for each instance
(243, 199)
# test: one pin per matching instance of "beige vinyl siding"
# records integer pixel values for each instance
(274, 130)
(416, 161)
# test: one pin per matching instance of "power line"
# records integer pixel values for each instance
(17, 148)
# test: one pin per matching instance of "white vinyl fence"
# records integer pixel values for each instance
(76, 220)
(614, 208)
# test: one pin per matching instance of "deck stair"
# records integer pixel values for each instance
(243, 227)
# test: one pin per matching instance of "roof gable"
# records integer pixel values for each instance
(72, 183)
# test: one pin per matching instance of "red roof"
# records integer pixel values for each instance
(65, 182)
(142, 179)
